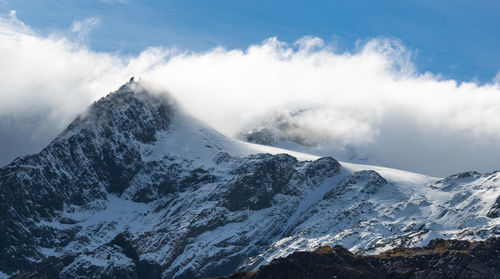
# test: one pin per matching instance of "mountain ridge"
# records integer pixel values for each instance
(135, 182)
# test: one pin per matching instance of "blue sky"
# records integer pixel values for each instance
(458, 39)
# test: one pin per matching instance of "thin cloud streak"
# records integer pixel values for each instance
(83, 27)
(368, 105)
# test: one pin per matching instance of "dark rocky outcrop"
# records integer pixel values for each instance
(263, 136)
(262, 177)
(439, 259)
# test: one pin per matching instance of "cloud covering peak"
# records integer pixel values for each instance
(370, 104)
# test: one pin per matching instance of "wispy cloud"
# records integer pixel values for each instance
(14, 24)
(371, 102)
(496, 79)
(83, 27)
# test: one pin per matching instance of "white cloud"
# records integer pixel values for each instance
(367, 103)
(496, 79)
(14, 24)
(309, 43)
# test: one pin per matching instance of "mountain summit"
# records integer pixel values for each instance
(135, 188)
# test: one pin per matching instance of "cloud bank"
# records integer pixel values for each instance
(367, 105)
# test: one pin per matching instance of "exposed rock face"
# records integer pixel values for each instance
(439, 259)
(259, 181)
(133, 188)
(262, 136)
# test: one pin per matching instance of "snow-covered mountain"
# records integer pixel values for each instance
(135, 188)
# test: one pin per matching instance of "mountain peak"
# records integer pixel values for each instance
(132, 111)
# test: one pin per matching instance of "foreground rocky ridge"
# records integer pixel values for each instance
(133, 187)
(439, 259)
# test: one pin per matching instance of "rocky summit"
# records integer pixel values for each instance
(136, 188)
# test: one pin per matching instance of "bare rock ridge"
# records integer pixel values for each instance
(135, 188)
(439, 259)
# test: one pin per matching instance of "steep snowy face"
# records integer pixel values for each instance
(134, 188)
(106, 140)
(98, 153)
(131, 112)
